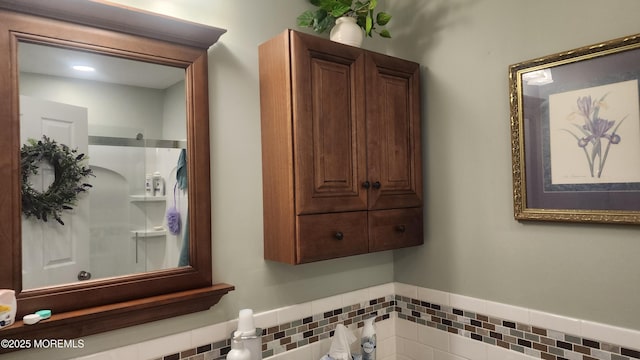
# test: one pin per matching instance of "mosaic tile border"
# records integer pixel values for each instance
(314, 328)
(533, 341)
(288, 336)
(530, 340)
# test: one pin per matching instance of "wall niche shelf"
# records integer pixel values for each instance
(148, 233)
(145, 198)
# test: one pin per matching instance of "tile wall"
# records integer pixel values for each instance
(438, 325)
(412, 323)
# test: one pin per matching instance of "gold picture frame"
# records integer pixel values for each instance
(575, 134)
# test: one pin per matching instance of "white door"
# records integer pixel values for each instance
(52, 253)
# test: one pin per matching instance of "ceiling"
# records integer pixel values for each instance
(55, 61)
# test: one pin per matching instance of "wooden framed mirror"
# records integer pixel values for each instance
(99, 28)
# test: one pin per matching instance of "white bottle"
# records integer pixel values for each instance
(148, 185)
(158, 184)
(368, 340)
(249, 334)
(7, 307)
(238, 351)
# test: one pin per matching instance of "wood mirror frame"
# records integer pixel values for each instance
(85, 308)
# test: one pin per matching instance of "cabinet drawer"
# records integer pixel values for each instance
(393, 229)
(327, 236)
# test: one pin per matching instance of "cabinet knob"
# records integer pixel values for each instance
(366, 184)
(339, 235)
(377, 185)
(401, 228)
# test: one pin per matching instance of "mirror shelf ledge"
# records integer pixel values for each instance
(83, 322)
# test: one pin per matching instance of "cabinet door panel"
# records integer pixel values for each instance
(393, 126)
(329, 126)
(328, 236)
(394, 229)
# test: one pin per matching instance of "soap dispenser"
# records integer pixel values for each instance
(368, 341)
(238, 351)
(250, 335)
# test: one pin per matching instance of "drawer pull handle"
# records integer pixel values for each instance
(377, 185)
(339, 235)
(401, 228)
(366, 184)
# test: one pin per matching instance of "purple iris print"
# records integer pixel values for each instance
(596, 135)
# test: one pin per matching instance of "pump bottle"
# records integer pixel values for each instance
(368, 340)
(238, 351)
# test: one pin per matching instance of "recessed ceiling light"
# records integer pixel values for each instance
(83, 68)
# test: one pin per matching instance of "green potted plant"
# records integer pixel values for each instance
(328, 13)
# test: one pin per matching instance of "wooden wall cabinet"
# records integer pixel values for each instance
(341, 150)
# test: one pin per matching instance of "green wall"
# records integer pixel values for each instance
(473, 246)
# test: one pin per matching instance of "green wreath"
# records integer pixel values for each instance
(63, 192)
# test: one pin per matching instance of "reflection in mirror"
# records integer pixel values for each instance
(129, 118)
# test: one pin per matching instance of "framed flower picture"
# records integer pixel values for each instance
(575, 134)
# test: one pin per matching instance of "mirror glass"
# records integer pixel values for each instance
(129, 120)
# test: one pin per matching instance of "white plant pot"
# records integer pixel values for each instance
(347, 31)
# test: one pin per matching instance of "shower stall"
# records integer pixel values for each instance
(129, 232)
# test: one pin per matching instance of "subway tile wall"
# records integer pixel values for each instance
(412, 323)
